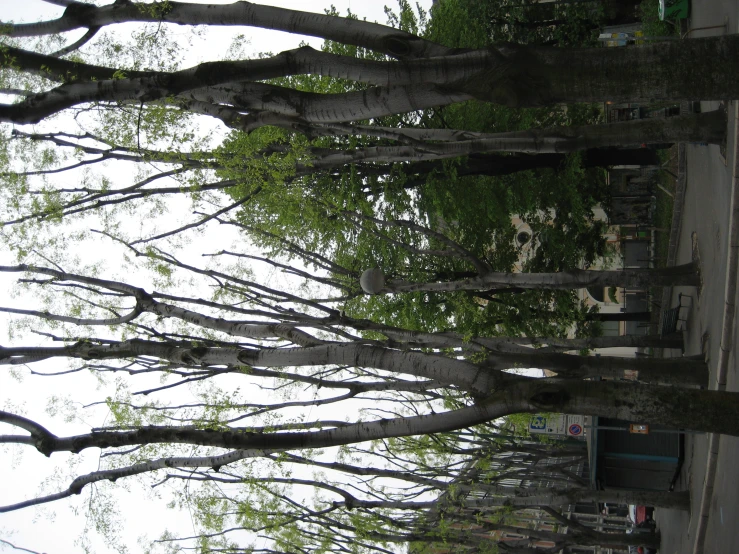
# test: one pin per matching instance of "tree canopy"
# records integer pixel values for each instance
(201, 228)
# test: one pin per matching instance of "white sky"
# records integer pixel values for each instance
(55, 528)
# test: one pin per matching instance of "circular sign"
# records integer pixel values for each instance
(575, 429)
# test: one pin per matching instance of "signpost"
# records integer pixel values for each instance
(558, 424)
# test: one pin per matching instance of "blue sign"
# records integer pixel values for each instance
(538, 422)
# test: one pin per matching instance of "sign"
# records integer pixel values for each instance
(639, 428)
(538, 424)
(575, 426)
(555, 424)
(558, 424)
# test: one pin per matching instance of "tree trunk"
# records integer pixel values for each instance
(695, 69)
(607, 157)
(686, 275)
(672, 371)
(581, 536)
(632, 210)
(513, 75)
(449, 339)
(514, 496)
(495, 165)
(707, 127)
(620, 316)
(672, 407)
(673, 340)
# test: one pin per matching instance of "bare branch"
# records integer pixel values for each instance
(114, 474)
(64, 3)
(204, 220)
(41, 437)
(87, 37)
(10, 544)
(388, 40)
(77, 320)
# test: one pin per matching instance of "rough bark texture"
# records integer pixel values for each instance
(673, 371)
(707, 127)
(686, 274)
(496, 165)
(673, 407)
(695, 69)
(700, 410)
(558, 496)
(361, 33)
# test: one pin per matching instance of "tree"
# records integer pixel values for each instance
(304, 338)
(277, 156)
(273, 155)
(431, 383)
(505, 75)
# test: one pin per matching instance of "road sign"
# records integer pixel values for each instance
(574, 430)
(561, 425)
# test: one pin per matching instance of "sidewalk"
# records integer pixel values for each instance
(710, 229)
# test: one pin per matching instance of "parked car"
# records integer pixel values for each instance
(641, 550)
(642, 521)
(639, 514)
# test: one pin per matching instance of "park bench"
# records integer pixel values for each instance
(672, 317)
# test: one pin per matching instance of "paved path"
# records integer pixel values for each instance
(712, 527)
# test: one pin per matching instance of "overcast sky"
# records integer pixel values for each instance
(55, 528)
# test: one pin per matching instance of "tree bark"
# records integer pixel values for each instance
(496, 165)
(673, 340)
(512, 75)
(672, 407)
(686, 274)
(499, 496)
(695, 69)
(672, 371)
(512, 496)
(381, 38)
(700, 410)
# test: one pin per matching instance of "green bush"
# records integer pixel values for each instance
(651, 24)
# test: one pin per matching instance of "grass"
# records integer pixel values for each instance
(663, 215)
(667, 181)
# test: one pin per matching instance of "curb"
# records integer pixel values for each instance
(727, 341)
